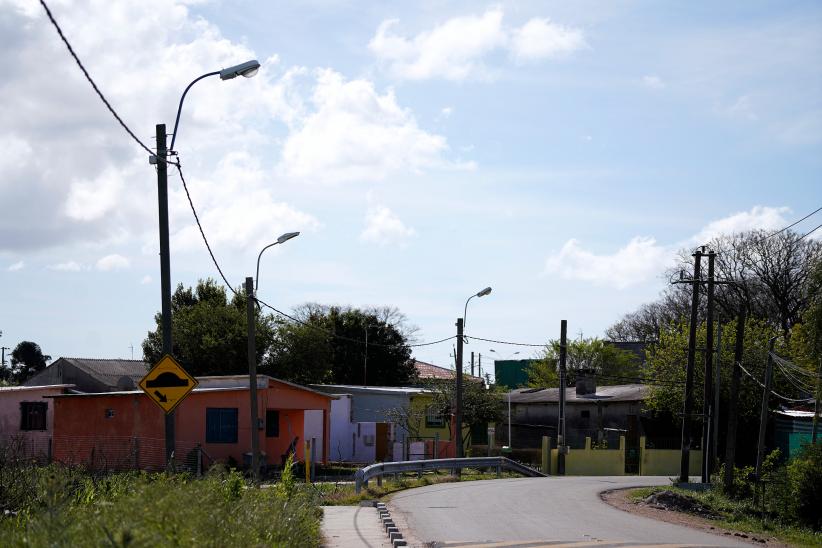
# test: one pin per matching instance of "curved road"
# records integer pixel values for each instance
(539, 510)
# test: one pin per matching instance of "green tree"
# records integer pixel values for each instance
(210, 331)
(27, 360)
(611, 365)
(328, 345)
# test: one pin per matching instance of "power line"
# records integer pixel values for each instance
(505, 342)
(809, 233)
(792, 225)
(778, 395)
(91, 81)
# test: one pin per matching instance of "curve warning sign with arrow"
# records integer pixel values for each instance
(167, 384)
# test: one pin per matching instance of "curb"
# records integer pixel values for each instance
(391, 529)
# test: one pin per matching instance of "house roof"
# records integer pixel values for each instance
(615, 393)
(431, 371)
(42, 387)
(109, 371)
(339, 389)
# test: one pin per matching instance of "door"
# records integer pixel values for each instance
(382, 441)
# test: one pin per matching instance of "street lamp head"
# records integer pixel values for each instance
(247, 69)
(287, 236)
(484, 292)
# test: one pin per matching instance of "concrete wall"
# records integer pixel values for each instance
(666, 462)
(530, 422)
(32, 443)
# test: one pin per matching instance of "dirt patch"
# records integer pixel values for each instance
(676, 511)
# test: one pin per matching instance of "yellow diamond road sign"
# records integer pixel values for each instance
(167, 384)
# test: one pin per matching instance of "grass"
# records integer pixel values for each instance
(739, 515)
(337, 494)
(70, 508)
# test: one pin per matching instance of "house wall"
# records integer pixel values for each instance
(343, 431)
(63, 372)
(33, 443)
(531, 421)
(128, 430)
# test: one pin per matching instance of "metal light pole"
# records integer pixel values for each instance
(246, 69)
(250, 291)
(460, 450)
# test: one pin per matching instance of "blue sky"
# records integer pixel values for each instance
(561, 153)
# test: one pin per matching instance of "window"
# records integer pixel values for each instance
(272, 423)
(433, 417)
(585, 414)
(221, 425)
(33, 415)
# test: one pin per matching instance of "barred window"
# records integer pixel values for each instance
(433, 417)
(33, 415)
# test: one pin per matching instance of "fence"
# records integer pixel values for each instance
(25, 447)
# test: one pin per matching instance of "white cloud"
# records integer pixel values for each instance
(69, 266)
(653, 82)
(357, 134)
(383, 227)
(759, 217)
(541, 39)
(643, 258)
(456, 49)
(145, 280)
(742, 108)
(638, 261)
(112, 262)
(446, 111)
(19, 265)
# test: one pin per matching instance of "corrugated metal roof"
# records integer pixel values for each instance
(41, 387)
(619, 392)
(353, 389)
(107, 370)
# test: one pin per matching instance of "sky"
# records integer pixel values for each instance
(559, 152)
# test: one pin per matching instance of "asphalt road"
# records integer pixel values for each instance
(537, 510)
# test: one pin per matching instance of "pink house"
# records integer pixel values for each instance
(27, 419)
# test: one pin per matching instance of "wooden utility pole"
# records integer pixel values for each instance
(730, 436)
(715, 415)
(763, 416)
(816, 402)
(707, 404)
(472, 363)
(458, 412)
(562, 442)
(687, 407)
(252, 380)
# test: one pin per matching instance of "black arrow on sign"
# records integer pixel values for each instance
(160, 396)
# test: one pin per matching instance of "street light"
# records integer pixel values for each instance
(160, 159)
(502, 359)
(281, 240)
(460, 341)
(250, 291)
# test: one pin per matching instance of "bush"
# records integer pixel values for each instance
(805, 479)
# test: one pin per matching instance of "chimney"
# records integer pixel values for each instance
(586, 382)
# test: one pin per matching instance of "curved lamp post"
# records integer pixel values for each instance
(248, 68)
(251, 290)
(460, 340)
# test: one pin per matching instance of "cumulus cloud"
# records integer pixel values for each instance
(383, 227)
(145, 280)
(636, 262)
(355, 133)
(643, 257)
(112, 262)
(456, 49)
(19, 265)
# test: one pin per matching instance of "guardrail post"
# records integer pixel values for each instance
(358, 481)
(546, 455)
(499, 470)
(379, 477)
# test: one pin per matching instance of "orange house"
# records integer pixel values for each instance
(122, 430)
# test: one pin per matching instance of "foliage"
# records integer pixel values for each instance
(210, 331)
(805, 480)
(68, 507)
(307, 352)
(611, 365)
(27, 360)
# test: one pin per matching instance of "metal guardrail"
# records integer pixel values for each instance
(380, 469)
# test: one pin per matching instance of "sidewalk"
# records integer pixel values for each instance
(353, 527)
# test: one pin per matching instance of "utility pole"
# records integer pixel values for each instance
(707, 404)
(684, 464)
(479, 365)
(252, 379)
(730, 436)
(365, 360)
(165, 267)
(561, 442)
(717, 385)
(763, 416)
(472, 363)
(816, 403)
(3, 360)
(458, 411)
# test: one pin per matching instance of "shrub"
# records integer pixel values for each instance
(805, 478)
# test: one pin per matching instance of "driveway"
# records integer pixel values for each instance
(536, 510)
